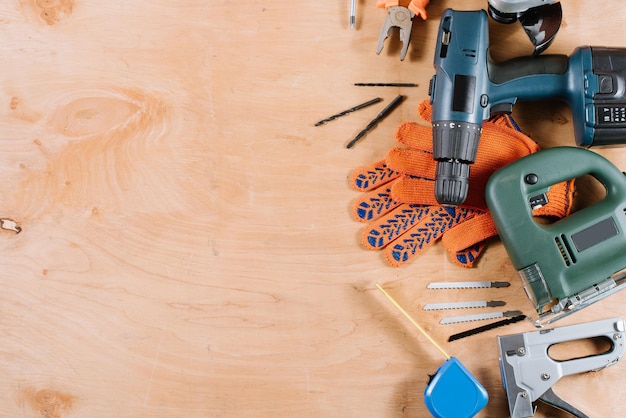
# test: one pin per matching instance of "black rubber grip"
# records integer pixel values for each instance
(454, 147)
(503, 72)
(451, 182)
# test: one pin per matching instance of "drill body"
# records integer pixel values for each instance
(469, 88)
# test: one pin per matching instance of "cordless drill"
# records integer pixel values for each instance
(469, 87)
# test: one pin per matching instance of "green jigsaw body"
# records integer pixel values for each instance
(575, 261)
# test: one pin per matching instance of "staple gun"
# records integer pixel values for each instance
(575, 261)
(529, 372)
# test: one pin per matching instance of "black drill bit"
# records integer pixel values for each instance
(395, 102)
(345, 112)
(488, 327)
(386, 84)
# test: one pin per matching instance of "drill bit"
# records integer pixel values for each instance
(386, 84)
(345, 112)
(395, 102)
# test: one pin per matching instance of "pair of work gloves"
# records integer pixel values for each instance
(399, 203)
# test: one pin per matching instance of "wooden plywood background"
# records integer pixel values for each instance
(187, 248)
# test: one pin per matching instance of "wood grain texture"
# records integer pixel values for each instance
(187, 247)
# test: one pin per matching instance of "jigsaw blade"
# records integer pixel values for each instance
(467, 285)
(464, 305)
(487, 327)
(479, 317)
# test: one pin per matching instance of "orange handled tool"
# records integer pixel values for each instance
(401, 17)
(416, 6)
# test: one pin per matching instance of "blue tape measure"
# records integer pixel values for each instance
(454, 393)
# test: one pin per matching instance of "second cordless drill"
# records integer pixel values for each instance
(468, 88)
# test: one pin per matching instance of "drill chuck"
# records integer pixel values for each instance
(454, 147)
(451, 182)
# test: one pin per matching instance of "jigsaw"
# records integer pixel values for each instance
(529, 372)
(575, 261)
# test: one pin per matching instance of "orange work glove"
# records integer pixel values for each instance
(399, 198)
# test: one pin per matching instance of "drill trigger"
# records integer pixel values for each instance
(501, 109)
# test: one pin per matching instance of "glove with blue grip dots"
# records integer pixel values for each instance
(399, 202)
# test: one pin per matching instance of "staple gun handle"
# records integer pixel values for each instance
(549, 371)
(593, 362)
(550, 398)
(529, 372)
(553, 369)
(613, 332)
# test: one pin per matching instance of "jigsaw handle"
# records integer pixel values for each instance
(559, 164)
(567, 163)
